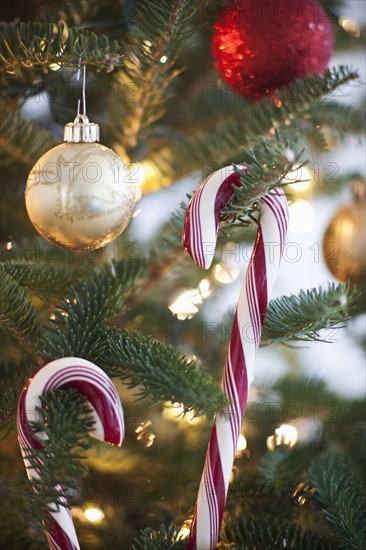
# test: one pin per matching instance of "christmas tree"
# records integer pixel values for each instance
(140, 309)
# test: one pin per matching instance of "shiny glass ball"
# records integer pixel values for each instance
(80, 196)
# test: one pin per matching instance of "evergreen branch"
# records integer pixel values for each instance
(301, 317)
(267, 168)
(38, 250)
(39, 277)
(265, 533)
(65, 420)
(221, 142)
(21, 141)
(42, 45)
(16, 531)
(340, 118)
(80, 324)
(17, 314)
(8, 411)
(12, 377)
(154, 43)
(340, 497)
(13, 373)
(283, 465)
(324, 125)
(165, 538)
(162, 373)
(305, 390)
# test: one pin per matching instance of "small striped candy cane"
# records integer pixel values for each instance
(199, 238)
(102, 398)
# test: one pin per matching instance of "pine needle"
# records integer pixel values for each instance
(42, 45)
(161, 373)
(341, 498)
(301, 317)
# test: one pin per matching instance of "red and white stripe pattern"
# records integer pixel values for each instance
(199, 239)
(104, 402)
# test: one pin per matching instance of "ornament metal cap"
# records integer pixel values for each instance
(81, 130)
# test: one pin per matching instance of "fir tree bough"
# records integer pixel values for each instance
(164, 107)
(301, 317)
(65, 421)
(40, 45)
(163, 373)
(340, 497)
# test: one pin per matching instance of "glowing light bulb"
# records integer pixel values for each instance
(173, 411)
(242, 443)
(185, 305)
(144, 434)
(284, 435)
(302, 217)
(185, 529)
(226, 275)
(289, 433)
(94, 515)
(299, 178)
(9, 245)
(351, 26)
(204, 288)
(192, 419)
(176, 413)
(241, 446)
(233, 474)
(163, 59)
(55, 66)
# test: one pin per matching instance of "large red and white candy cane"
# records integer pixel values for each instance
(199, 238)
(102, 398)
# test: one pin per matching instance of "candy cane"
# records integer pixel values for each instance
(102, 398)
(199, 238)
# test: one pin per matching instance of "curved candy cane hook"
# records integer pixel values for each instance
(102, 397)
(199, 238)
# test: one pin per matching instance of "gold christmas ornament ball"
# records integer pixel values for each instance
(344, 244)
(80, 195)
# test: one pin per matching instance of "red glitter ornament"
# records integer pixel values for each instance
(260, 46)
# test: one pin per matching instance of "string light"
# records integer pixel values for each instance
(163, 59)
(175, 413)
(55, 66)
(145, 435)
(204, 288)
(185, 529)
(241, 446)
(94, 515)
(284, 435)
(233, 474)
(185, 306)
(225, 274)
(9, 245)
(351, 26)
(299, 178)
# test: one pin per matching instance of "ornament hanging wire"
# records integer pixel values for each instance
(81, 130)
(83, 87)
